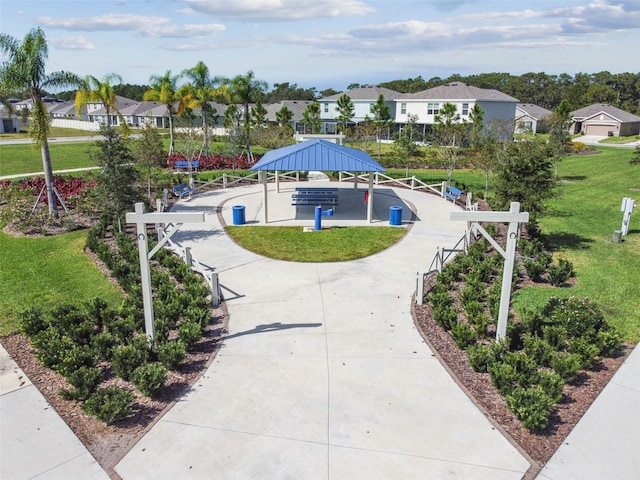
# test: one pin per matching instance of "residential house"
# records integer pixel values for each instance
(531, 118)
(363, 99)
(96, 111)
(297, 107)
(425, 105)
(605, 120)
(66, 109)
(9, 122)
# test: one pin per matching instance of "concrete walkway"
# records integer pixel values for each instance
(323, 374)
(34, 441)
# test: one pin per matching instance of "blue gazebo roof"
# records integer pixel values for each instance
(318, 155)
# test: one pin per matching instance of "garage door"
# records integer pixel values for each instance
(595, 129)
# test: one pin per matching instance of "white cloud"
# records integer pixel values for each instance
(191, 30)
(144, 25)
(279, 10)
(74, 42)
(108, 22)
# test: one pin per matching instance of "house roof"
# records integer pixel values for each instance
(458, 91)
(598, 108)
(297, 107)
(318, 155)
(534, 111)
(369, 92)
(67, 107)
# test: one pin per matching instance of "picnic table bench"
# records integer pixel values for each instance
(184, 164)
(453, 193)
(182, 190)
(312, 197)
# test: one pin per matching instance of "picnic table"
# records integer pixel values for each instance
(312, 197)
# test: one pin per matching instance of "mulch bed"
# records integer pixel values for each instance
(109, 443)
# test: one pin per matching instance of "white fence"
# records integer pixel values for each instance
(77, 124)
(409, 182)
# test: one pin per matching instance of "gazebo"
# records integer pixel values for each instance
(318, 155)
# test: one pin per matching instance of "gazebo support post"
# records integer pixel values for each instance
(355, 180)
(370, 199)
(263, 177)
(277, 182)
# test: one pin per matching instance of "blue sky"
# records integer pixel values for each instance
(331, 43)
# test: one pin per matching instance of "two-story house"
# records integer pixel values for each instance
(425, 105)
(363, 99)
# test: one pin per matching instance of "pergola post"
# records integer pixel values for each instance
(514, 218)
(263, 177)
(142, 219)
(370, 199)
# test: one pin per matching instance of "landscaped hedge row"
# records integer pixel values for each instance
(90, 343)
(541, 352)
(215, 161)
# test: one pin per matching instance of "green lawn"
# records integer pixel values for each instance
(580, 225)
(26, 158)
(329, 245)
(44, 272)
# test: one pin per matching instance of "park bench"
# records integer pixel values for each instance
(453, 194)
(184, 164)
(182, 190)
(313, 197)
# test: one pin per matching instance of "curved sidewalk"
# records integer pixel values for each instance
(323, 374)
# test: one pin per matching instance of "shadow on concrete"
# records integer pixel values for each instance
(270, 327)
(352, 206)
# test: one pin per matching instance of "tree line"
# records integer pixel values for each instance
(621, 90)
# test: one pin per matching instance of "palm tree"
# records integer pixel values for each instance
(201, 90)
(164, 90)
(25, 71)
(246, 89)
(94, 90)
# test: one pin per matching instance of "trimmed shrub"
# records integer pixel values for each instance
(149, 378)
(171, 353)
(445, 316)
(463, 334)
(608, 341)
(525, 366)
(538, 349)
(480, 357)
(51, 346)
(552, 384)
(126, 358)
(586, 350)
(560, 273)
(109, 404)
(74, 358)
(566, 365)
(33, 322)
(85, 381)
(503, 376)
(189, 333)
(531, 405)
(555, 335)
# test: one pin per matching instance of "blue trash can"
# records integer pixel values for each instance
(238, 215)
(395, 215)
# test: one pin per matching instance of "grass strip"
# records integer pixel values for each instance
(45, 272)
(337, 244)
